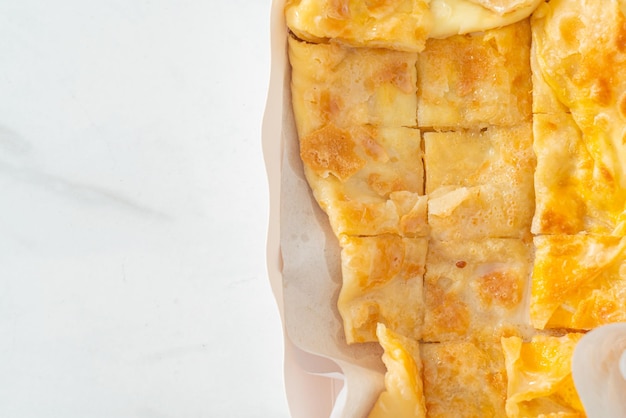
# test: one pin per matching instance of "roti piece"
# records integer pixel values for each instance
(368, 180)
(480, 183)
(464, 379)
(580, 157)
(365, 169)
(382, 283)
(544, 99)
(476, 289)
(539, 377)
(404, 392)
(398, 24)
(453, 86)
(505, 6)
(401, 25)
(572, 192)
(579, 281)
(458, 17)
(582, 56)
(347, 87)
(461, 281)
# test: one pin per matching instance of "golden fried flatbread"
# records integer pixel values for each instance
(382, 283)
(404, 392)
(581, 54)
(368, 180)
(464, 379)
(472, 164)
(476, 80)
(348, 87)
(398, 24)
(480, 183)
(539, 377)
(476, 289)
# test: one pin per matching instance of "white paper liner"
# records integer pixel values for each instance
(323, 375)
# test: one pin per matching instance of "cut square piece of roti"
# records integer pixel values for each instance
(480, 183)
(403, 396)
(345, 87)
(393, 24)
(544, 98)
(505, 6)
(464, 379)
(382, 283)
(368, 180)
(476, 80)
(476, 289)
(581, 54)
(578, 282)
(402, 25)
(539, 377)
(573, 192)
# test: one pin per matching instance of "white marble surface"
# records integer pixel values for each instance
(133, 211)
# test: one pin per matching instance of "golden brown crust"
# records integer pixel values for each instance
(453, 90)
(544, 100)
(500, 288)
(480, 184)
(504, 6)
(476, 289)
(368, 180)
(539, 377)
(330, 151)
(582, 57)
(404, 392)
(382, 283)
(464, 379)
(578, 281)
(515, 131)
(395, 24)
(448, 316)
(353, 109)
(579, 56)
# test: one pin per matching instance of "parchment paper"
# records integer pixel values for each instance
(305, 269)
